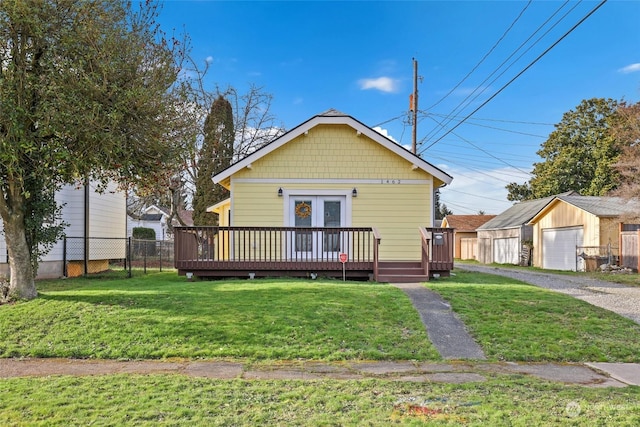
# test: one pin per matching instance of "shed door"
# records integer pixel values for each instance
(559, 248)
(505, 251)
(468, 248)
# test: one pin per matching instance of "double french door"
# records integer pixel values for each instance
(323, 212)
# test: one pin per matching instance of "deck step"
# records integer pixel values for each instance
(401, 272)
(405, 278)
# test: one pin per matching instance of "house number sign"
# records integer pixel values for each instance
(389, 181)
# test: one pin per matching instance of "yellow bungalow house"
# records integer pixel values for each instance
(328, 191)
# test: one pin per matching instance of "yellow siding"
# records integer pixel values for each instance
(223, 214)
(332, 152)
(256, 204)
(396, 211)
(392, 196)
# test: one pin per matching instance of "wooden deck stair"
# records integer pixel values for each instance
(401, 272)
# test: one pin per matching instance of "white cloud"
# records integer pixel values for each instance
(384, 133)
(631, 68)
(383, 84)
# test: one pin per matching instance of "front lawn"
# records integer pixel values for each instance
(520, 322)
(152, 400)
(162, 315)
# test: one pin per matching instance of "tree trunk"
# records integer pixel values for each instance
(22, 284)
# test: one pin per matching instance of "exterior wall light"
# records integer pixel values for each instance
(280, 191)
(354, 192)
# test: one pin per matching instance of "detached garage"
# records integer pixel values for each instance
(559, 248)
(569, 225)
(506, 238)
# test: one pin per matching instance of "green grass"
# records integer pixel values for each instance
(519, 322)
(116, 400)
(162, 315)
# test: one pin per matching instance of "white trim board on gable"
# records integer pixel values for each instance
(334, 118)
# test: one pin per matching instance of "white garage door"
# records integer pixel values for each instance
(505, 251)
(559, 248)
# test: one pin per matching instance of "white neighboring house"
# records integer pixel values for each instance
(99, 216)
(152, 217)
(156, 217)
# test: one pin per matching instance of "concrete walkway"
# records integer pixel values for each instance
(445, 330)
(588, 375)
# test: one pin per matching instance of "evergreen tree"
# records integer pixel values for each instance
(441, 209)
(215, 155)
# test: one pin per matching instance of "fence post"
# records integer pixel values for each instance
(128, 255)
(161, 248)
(146, 247)
(86, 256)
(64, 257)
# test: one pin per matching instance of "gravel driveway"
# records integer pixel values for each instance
(621, 299)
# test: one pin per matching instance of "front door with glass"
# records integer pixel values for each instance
(312, 212)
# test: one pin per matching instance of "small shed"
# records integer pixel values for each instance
(465, 236)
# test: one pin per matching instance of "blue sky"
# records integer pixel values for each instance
(356, 57)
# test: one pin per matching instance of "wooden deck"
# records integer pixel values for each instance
(248, 252)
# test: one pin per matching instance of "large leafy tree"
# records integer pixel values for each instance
(579, 155)
(215, 155)
(87, 90)
(627, 130)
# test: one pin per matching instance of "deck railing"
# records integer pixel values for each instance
(437, 250)
(273, 247)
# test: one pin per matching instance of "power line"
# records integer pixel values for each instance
(466, 101)
(478, 171)
(483, 150)
(520, 73)
(484, 119)
(484, 57)
(475, 195)
(501, 129)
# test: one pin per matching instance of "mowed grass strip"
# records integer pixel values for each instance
(162, 315)
(515, 321)
(180, 400)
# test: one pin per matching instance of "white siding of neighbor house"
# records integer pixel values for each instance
(107, 218)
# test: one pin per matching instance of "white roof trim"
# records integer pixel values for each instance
(218, 205)
(338, 120)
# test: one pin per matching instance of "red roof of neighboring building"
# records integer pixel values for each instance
(467, 223)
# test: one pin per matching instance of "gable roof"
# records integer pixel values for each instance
(600, 206)
(334, 117)
(466, 222)
(151, 217)
(519, 214)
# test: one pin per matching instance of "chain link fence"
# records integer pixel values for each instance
(115, 256)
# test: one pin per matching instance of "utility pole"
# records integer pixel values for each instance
(414, 108)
